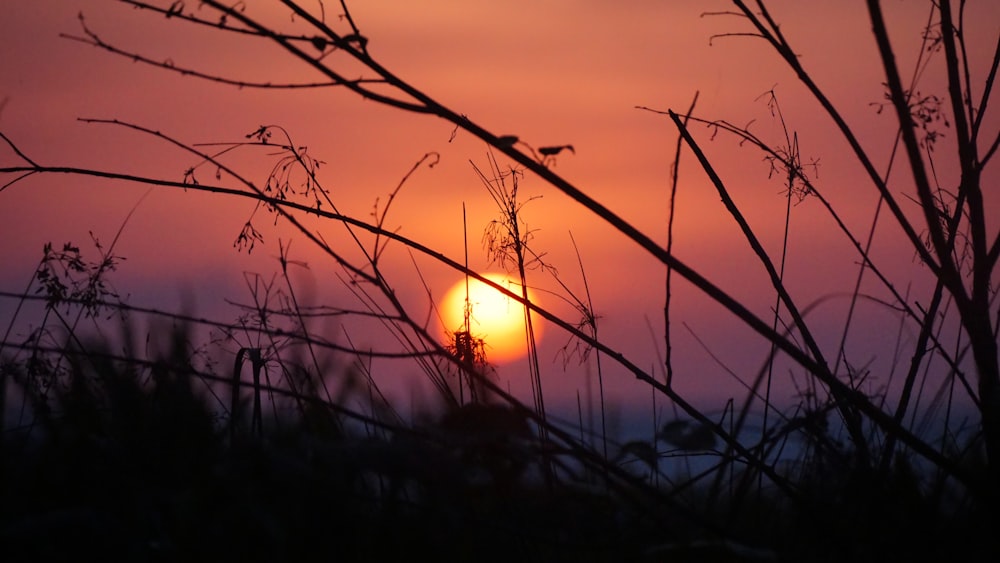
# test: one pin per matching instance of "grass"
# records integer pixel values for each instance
(126, 457)
(157, 459)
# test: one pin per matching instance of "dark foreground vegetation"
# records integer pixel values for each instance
(122, 459)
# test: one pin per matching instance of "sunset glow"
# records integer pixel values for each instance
(494, 317)
(409, 280)
(551, 74)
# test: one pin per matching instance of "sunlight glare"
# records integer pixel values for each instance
(496, 318)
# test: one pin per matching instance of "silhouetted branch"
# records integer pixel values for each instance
(792, 61)
(845, 406)
(168, 64)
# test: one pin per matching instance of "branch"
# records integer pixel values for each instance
(853, 423)
(968, 160)
(170, 12)
(93, 39)
(746, 136)
(990, 151)
(16, 150)
(792, 60)
(947, 270)
(987, 89)
(347, 46)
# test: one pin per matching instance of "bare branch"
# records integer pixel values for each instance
(789, 57)
(947, 270)
(823, 373)
(16, 150)
(170, 12)
(348, 46)
(168, 64)
(984, 101)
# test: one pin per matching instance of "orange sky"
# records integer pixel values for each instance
(552, 72)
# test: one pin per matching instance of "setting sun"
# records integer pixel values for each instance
(495, 317)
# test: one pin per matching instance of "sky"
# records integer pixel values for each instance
(551, 72)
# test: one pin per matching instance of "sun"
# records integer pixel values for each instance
(495, 317)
